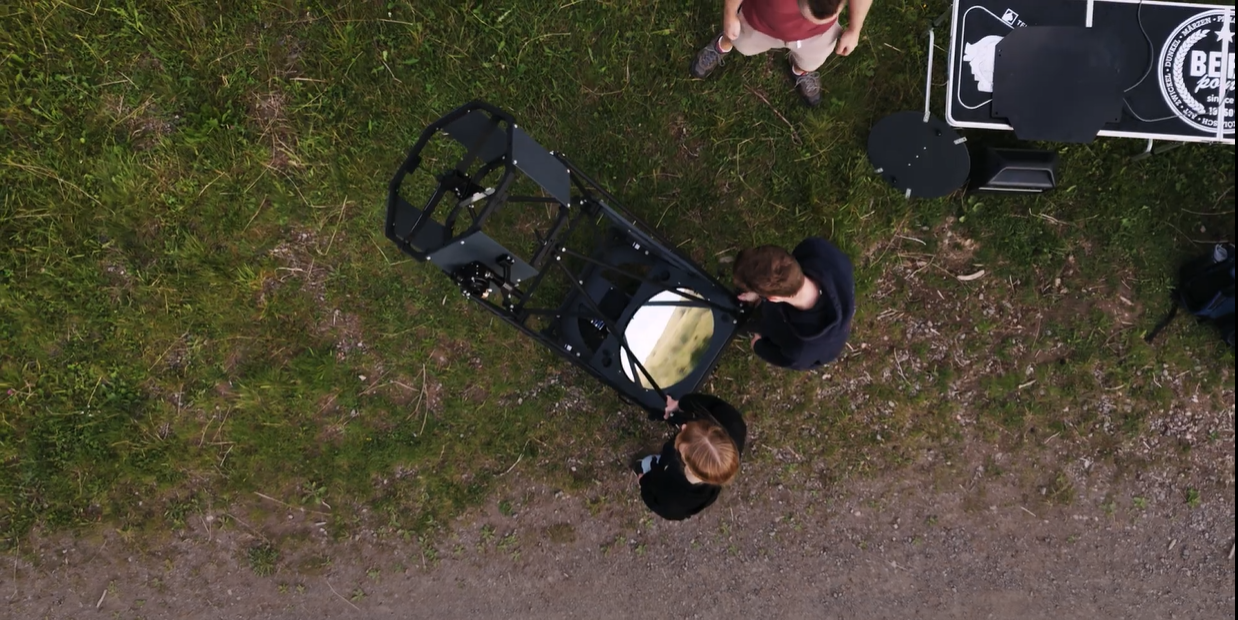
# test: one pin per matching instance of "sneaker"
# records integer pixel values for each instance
(809, 86)
(707, 59)
(644, 464)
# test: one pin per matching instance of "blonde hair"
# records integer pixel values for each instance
(708, 452)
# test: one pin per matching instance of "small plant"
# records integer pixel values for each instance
(509, 545)
(429, 553)
(1061, 492)
(1192, 498)
(373, 574)
(262, 559)
(505, 508)
(612, 545)
(314, 494)
(1140, 503)
(561, 533)
(1110, 507)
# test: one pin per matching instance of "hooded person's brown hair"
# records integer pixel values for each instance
(768, 271)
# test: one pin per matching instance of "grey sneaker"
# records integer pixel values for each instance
(809, 86)
(707, 59)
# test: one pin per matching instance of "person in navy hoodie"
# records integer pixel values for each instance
(806, 297)
(692, 468)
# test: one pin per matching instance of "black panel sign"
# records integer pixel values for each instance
(1181, 87)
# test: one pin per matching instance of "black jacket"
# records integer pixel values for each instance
(805, 339)
(665, 488)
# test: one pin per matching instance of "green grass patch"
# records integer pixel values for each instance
(262, 559)
(197, 302)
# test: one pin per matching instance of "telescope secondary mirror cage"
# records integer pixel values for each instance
(587, 266)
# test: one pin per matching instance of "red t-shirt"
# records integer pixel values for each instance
(781, 19)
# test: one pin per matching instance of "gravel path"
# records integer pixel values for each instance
(890, 547)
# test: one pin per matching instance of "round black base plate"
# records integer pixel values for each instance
(927, 158)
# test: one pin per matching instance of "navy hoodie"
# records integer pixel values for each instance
(665, 488)
(805, 339)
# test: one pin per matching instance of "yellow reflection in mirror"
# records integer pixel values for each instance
(669, 337)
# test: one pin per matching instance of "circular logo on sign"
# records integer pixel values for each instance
(1197, 71)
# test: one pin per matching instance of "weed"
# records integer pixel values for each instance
(510, 545)
(430, 554)
(595, 505)
(1192, 498)
(561, 533)
(1060, 491)
(1110, 506)
(262, 559)
(313, 565)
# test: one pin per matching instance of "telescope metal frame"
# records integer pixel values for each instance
(589, 243)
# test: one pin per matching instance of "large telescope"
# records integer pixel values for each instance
(535, 241)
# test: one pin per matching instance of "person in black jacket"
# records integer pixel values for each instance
(688, 475)
(809, 299)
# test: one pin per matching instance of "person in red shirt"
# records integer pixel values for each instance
(809, 29)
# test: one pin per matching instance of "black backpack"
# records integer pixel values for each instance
(1206, 289)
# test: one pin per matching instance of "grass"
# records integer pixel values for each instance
(262, 559)
(1192, 498)
(197, 302)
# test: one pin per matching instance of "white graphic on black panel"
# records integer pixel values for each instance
(980, 57)
(981, 31)
(1197, 72)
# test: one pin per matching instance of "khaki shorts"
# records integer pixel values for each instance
(808, 54)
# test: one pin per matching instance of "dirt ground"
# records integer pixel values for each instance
(925, 543)
(1052, 531)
